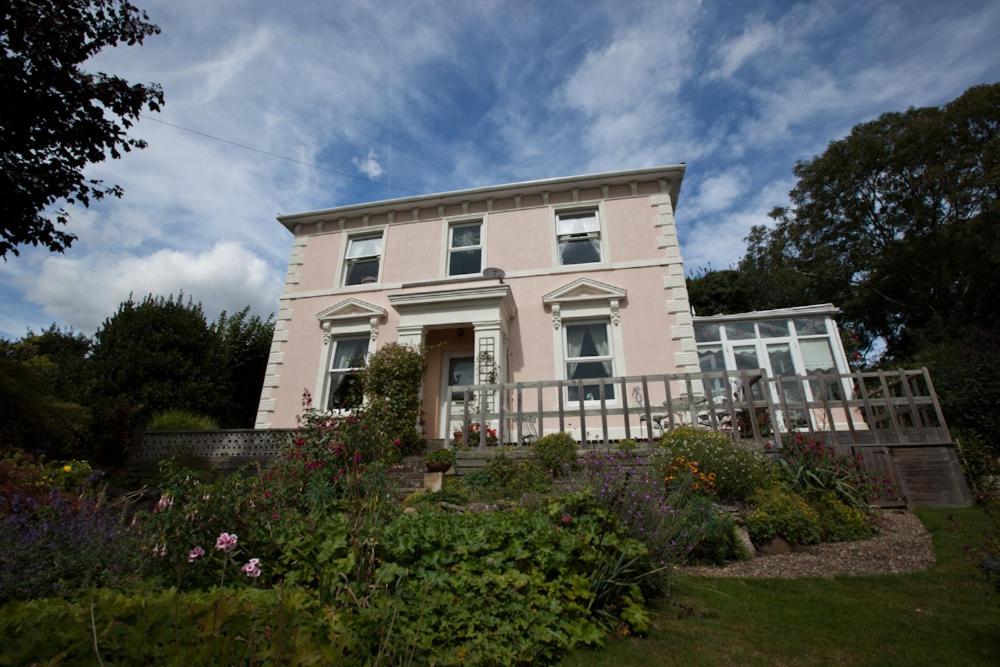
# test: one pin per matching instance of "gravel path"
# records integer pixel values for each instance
(902, 545)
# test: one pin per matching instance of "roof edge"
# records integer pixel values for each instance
(814, 309)
(291, 219)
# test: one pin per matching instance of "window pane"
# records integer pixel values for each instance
(746, 358)
(365, 247)
(781, 360)
(587, 340)
(578, 223)
(345, 391)
(706, 332)
(465, 261)
(585, 370)
(711, 360)
(810, 326)
(461, 371)
(362, 272)
(738, 330)
(465, 236)
(350, 353)
(580, 251)
(817, 357)
(773, 328)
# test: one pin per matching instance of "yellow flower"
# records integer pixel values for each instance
(67, 468)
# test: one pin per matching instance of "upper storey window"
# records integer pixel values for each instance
(465, 248)
(364, 254)
(579, 237)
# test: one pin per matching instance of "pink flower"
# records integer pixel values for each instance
(566, 519)
(165, 502)
(357, 457)
(195, 554)
(397, 442)
(226, 542)
(252, 568)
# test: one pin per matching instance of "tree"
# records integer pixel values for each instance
(60, 357)
(55, 118)
(724, 291)
(154, 354)
(898, 224)
(240, 348)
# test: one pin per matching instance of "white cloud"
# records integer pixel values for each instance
(719, 191)
(368, 165)
(717, 240)
(733, 53)
(83, 291)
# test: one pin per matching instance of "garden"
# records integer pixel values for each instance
(314, 559)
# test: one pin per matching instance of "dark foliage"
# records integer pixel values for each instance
(55, 118)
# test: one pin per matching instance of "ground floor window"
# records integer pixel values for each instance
(587, 347)
(344, 386)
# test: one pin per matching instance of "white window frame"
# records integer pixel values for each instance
(449, 248)
(569, 209)
(613, 350)
(330, 370)
(792, 340)
(381, 232)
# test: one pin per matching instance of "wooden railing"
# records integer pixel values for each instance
(864, 409)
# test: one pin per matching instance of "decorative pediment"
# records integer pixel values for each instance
(350, 309)
(584, 289)
(581, 291)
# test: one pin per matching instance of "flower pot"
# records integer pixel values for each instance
(438, 467)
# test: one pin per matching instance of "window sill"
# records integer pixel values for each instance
(468, 277)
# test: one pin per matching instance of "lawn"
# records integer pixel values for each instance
(947, 615)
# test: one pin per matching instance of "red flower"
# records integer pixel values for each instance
(299, 442)
(566, 519)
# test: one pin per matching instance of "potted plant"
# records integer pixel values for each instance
(440, 460)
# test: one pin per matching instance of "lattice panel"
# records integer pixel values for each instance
(223, 449)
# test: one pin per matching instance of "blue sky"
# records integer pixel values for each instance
(432, 96)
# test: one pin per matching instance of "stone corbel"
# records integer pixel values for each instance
(326, 326)
(615, 315)
(373, 322)
(556, 316)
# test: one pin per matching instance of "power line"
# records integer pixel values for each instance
(276, 155)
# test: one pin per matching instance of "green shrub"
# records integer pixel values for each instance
(504, 477)
(223, 626)
(807, 466)
(779, 513)
(738, 471)
(391, 381)
(712, 532)
(838, 521)
(627, 445)
(181, 420)
(555, 453)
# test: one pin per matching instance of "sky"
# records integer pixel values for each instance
(390, 99)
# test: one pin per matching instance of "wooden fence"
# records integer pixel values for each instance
(864, 409)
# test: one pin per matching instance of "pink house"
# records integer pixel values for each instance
(574, 278)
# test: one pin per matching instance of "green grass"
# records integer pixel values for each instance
(948, 615)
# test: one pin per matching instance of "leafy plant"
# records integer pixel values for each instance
(839, 521)
(738, 471)
(181, 420)
(221, 626)
(504, 477)
(475, 431)
(627, 444)
(808, 466)
(391, 381)
(442, 457)
(780, 513)
(555, 453)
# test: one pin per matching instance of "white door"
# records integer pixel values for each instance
(456, 370)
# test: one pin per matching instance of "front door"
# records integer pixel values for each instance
(457, 370)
